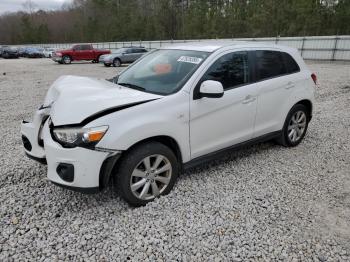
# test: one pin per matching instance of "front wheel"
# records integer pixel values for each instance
(295, 126)
(146, 172)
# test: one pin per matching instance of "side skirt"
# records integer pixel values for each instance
(220, 153)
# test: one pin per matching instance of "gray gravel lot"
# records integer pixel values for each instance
(264, 202)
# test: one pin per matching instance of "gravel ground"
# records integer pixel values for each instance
(265, 202)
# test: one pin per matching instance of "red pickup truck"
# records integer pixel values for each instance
(78, 52)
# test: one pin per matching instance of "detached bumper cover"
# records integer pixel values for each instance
(31, 134)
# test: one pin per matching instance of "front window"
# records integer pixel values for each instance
(162, 71)
(231, 70)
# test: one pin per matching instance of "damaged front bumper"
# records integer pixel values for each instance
(79, 169)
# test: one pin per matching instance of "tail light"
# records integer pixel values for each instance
(314, 78)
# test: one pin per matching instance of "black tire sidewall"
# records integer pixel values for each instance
(116, 62)
(64, 61)
(285, 139)
(128, 163)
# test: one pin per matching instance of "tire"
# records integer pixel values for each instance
(147, 183)
(295, 126)
(117, 62)
(66, 59)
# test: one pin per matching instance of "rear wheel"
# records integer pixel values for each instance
(116, 62)
(66, 59)
(295, 126)
(146, 172)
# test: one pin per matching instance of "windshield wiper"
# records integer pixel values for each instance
(132, 86)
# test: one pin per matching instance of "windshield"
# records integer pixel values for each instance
(162, 71)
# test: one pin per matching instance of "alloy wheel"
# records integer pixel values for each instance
(297, 126)
(66, 60)
(151, 177)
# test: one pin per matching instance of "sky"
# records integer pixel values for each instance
(17, 5)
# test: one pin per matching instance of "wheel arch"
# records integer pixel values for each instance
(105, 176)
(308, 104)
(69, 55)
(165, 140)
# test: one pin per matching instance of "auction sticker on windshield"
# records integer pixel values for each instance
(190, 59)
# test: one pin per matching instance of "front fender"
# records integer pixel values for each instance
(156, 118)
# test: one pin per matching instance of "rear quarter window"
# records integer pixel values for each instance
(291, 64)
(269, 64)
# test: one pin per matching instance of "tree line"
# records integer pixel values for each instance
(130, 20)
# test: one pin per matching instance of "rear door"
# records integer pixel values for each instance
(127, 55)
(275, 85)
(137, 53)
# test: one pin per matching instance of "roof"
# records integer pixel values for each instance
(213, 45)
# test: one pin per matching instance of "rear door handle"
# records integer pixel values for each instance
(290, 85)
(248, 99)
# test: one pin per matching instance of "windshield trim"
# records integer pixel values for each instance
(181, 83)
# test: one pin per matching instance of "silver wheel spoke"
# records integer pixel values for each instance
(138, 184)
(147, 163)
(299, 132)
(164, 168)
(159, 159)
(291, 133)
(302, 118)
(162, 179)
(144, 190)
(138, 173)
(155, 189)
(294, 135)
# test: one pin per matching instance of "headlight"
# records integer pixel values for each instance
(84, 137)
(58, 54)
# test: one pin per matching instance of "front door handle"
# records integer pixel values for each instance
(248, 99)
(290, 85)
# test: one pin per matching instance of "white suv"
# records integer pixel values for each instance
(174, 108)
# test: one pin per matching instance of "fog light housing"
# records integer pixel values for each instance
(26, 143)
(65, 172)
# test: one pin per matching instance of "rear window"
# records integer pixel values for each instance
(292, 66)
(269, 64)
(86, 47)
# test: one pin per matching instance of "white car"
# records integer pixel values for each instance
(176, 107)
(48, 52)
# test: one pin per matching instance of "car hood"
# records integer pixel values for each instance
(74, 99)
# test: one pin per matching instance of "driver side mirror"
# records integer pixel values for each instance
(211, 89)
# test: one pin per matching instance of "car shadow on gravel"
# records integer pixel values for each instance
(234, 155)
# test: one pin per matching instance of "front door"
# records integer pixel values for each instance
(217, 123)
